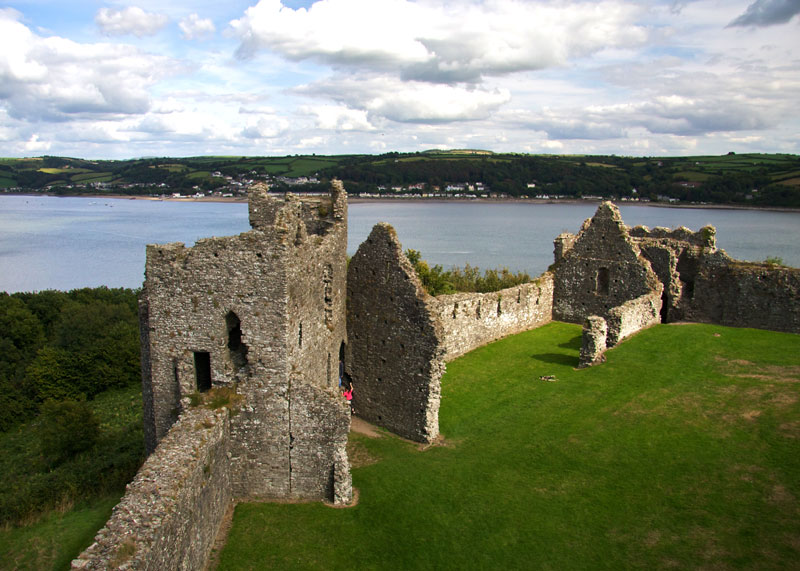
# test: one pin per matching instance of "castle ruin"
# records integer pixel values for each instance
(275, 315)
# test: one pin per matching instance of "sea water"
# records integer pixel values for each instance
(65, 243)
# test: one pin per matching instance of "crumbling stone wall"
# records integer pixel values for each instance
(593, 341)
(634, 315)
(697, 281)
(395, 356)
(742, 294)
(675, 257)
(470, 320)
(171, 511)
(263, 312)
(603, 269)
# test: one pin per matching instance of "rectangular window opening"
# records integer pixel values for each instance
(202, 370)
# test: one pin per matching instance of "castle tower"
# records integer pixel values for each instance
(262, 313)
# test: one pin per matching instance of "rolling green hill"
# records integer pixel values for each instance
(750, 179)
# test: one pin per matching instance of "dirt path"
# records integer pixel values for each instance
(364, 427)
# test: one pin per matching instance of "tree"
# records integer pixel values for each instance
(66, 428)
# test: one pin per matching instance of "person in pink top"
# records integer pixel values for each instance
(348, 394)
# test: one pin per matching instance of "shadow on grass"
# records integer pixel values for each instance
(557, 359)
(574, 343)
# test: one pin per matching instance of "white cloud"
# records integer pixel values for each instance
(55, 78)
(410, 101)
(193, 27)
(339, 118)
(34, 145)
(266, 127)
(129, 21)
(438, 41)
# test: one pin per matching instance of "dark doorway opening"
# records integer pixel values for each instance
(202, 370)
(238, 350)
(344, 378)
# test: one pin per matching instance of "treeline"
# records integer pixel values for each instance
(64, 345)
(576, 177)
(70, 404)
(438, 281)
(758, 179)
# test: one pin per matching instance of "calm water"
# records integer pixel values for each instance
(65, 243)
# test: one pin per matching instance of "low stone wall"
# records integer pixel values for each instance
(633, 316)
(470, 320)
(172, 510)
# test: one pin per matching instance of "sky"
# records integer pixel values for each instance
(127, 79)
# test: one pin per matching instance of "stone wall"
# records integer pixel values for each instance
(675, 257)
(742, 294)
(171, 512)
(634, 315)
(602, 269)
(395, 354)
(470, 320)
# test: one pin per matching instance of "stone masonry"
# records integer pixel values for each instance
(601, 270)
(470, 320)
(395, 357)
(261, 314)
(267, 315)
(400, 337)
(170, 513)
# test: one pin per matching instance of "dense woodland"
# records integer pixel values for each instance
(61, 354)
(752, 179)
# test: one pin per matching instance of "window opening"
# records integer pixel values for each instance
(237, 349)
(202, 370)
(327, 283)
(602, 281)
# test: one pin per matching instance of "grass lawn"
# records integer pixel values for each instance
(681, 451)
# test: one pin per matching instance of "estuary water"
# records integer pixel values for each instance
(65, 243)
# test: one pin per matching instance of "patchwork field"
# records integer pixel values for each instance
(682, 451)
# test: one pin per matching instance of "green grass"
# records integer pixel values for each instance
(691, 176)
(6, 182)
(55, 540)
(682, 450)
(93, 177)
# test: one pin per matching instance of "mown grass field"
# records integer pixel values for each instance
(681, 451)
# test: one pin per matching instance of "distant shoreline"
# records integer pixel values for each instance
(417, 200)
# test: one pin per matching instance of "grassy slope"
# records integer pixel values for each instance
(54, 539)
(681, 451)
